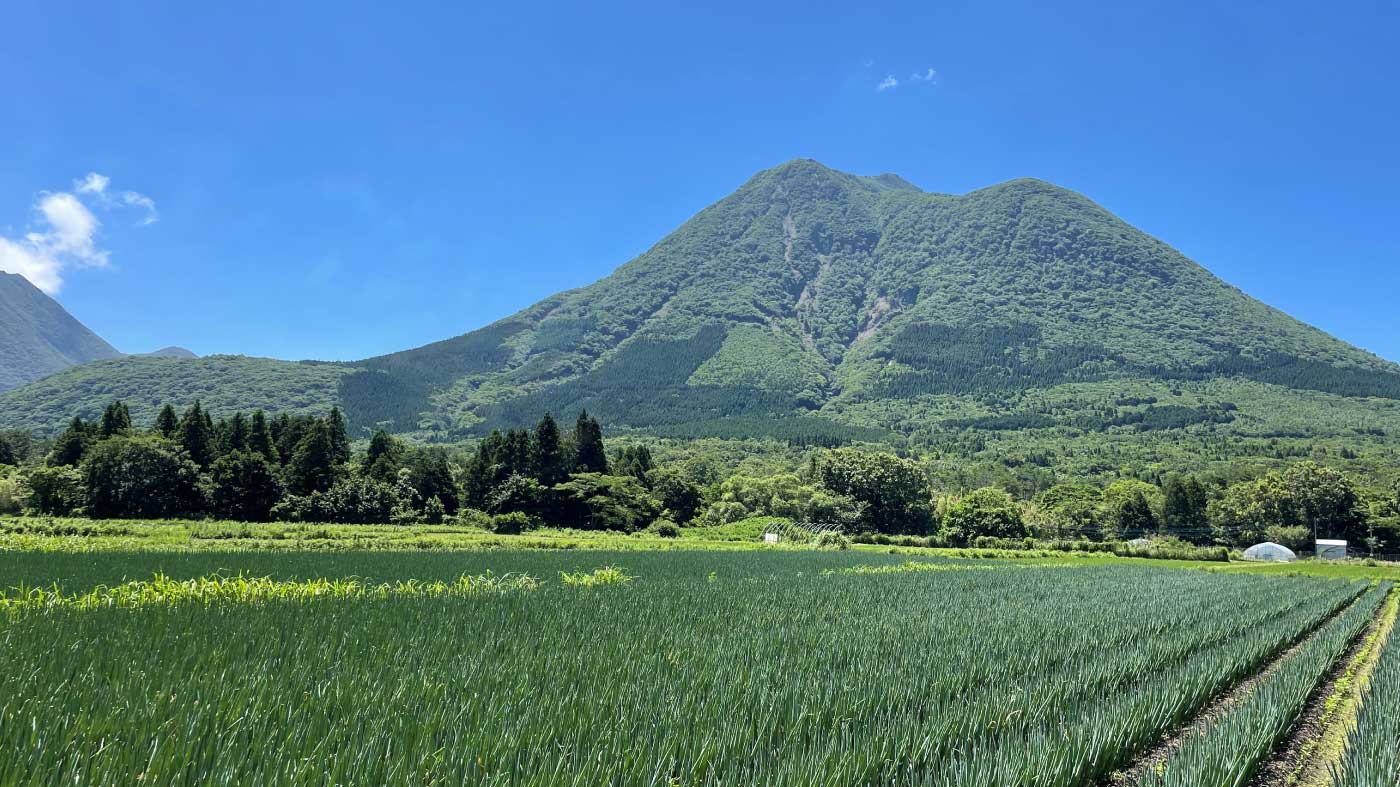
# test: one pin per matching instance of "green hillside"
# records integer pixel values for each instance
(223, 383)
(817, 306)
(38, 337)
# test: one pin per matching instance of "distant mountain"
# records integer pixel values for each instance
(817, 306)
(169, 352)
(38, 337)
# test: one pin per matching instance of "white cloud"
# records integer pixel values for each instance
(927, 76)
(32, 263)
(92, 184)
(141, 201)
(71, 229)
(65, 232)
(96, 185)
(888, 83)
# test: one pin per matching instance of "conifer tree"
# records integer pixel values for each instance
(312, 467)
(260, 437)
(339, 436)
(479, 475)
(287, 433)
(589, 454)
(518, 457)
(71, 446)
(116, 420)
(167, 423)
(233, 434)
(7, 452)
(549, 452)
(382, 459)
(1184, 509)
(432, 478)
(634, 461)
(196, 435)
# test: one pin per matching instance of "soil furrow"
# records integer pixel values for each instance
(1319, 736)
(1202, 722)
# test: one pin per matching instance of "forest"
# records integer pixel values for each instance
(256, 467)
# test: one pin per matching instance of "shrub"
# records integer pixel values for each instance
(434, 511)
(986, 512)
(12, 495)
(512, 524)
(665, 528)
(55, 491)
(722, 513)
(349, 501)
(830, 540)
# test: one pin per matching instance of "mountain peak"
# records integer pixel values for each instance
(831, 306)
(169, 352)
(812, 173)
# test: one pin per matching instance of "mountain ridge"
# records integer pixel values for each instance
(811, 300)
(38, 336)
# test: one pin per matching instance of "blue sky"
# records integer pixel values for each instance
(337, 180)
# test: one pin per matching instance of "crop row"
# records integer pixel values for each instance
(1372, 755)
(752, 669)
(1230, 750)
(1084, 737)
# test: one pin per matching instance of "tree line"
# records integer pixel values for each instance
(301, 468)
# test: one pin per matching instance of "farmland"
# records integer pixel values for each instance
(642, 667)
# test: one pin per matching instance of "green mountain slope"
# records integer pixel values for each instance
(38, 337)
(814, 305)
(223, 383)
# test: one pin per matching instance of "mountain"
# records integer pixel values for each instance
(817, 306)
(169, 352)
(38, 337)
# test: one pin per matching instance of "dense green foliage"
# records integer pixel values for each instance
(305, 469)
(38, 337)
(675, 665)
(223, 384)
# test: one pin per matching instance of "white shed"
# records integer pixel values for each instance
(1331, 548)
(1270, 551)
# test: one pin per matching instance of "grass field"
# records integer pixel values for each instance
(693, 665)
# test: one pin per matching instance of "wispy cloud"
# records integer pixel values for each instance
(92, 184)
(927, 76)
(888, 83)
(136, 200)
(96, 185)
(64, 230)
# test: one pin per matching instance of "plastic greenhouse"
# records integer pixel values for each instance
(1269, 551)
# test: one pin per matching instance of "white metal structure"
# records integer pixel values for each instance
(1270, 551)
(1331, 548)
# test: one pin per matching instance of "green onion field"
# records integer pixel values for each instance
(662, 668)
